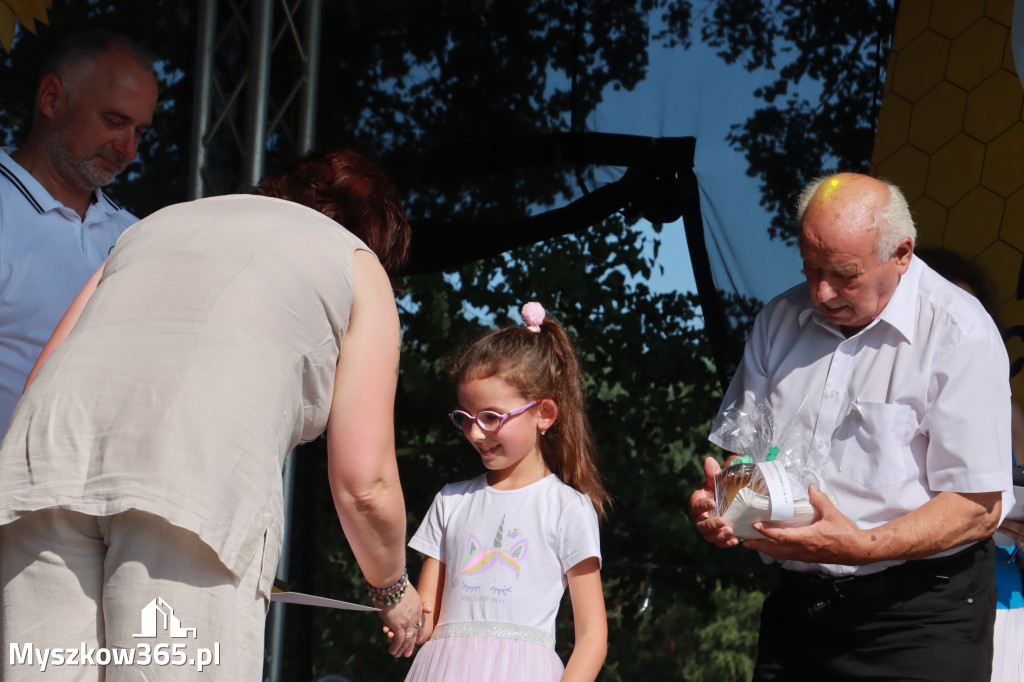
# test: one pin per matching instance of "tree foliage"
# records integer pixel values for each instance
(819, 113)
(400, 75)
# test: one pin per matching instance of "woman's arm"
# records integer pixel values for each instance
(67, 323)
(591, 622)
(431, 588)
(361, 445)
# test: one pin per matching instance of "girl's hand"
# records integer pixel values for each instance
(402, 622)
(428, 623)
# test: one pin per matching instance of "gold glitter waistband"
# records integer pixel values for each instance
(486, 628)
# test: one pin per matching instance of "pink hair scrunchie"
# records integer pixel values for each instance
(533, 316)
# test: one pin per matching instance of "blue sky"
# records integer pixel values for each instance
(694, 93)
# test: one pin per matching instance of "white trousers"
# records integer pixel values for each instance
(79, 594)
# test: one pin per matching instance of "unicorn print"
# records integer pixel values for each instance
(491, 571)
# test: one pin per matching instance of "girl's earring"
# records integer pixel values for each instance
(543, 431)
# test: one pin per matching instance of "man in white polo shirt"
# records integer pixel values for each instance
(900, 382)
(95, 99)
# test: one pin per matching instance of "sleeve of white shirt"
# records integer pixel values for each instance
(968, 419)
(429, 537)
(578, 534)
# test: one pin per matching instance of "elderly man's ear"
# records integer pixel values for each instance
(903, 253)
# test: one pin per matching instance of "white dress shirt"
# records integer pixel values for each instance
(916, 403)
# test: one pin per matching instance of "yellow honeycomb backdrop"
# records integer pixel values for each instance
(951, 135)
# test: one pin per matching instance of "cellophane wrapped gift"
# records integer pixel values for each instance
(769, 481)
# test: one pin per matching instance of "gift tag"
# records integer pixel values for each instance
(779, 489)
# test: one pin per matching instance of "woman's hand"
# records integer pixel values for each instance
(402, 623)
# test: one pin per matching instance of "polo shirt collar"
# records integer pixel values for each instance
(37, 195)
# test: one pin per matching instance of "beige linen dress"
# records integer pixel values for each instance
(206, 354)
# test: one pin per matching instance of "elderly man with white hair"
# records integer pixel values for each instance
(900, 382)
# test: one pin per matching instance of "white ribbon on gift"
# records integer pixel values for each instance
(779, 489)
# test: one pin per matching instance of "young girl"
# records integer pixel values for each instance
(501, 548)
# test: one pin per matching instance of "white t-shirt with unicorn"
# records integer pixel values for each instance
(506, 552)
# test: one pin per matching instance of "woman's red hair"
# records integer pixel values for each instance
(348, 188)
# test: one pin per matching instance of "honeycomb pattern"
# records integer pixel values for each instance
(951, 135)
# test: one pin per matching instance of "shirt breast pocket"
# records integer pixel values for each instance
(871, 441)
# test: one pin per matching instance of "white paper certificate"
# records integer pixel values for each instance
(311, 600)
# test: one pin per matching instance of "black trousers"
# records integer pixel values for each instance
(923, 620)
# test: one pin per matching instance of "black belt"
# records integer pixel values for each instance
(906, 578)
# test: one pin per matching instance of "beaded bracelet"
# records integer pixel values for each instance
(386, 596)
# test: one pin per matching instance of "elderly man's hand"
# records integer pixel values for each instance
(831, 538)
(702, 510)
(1014, 529)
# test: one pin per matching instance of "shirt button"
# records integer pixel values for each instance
(821, 444)
(833, 394)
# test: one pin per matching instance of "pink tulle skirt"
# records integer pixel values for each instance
(485, 658)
